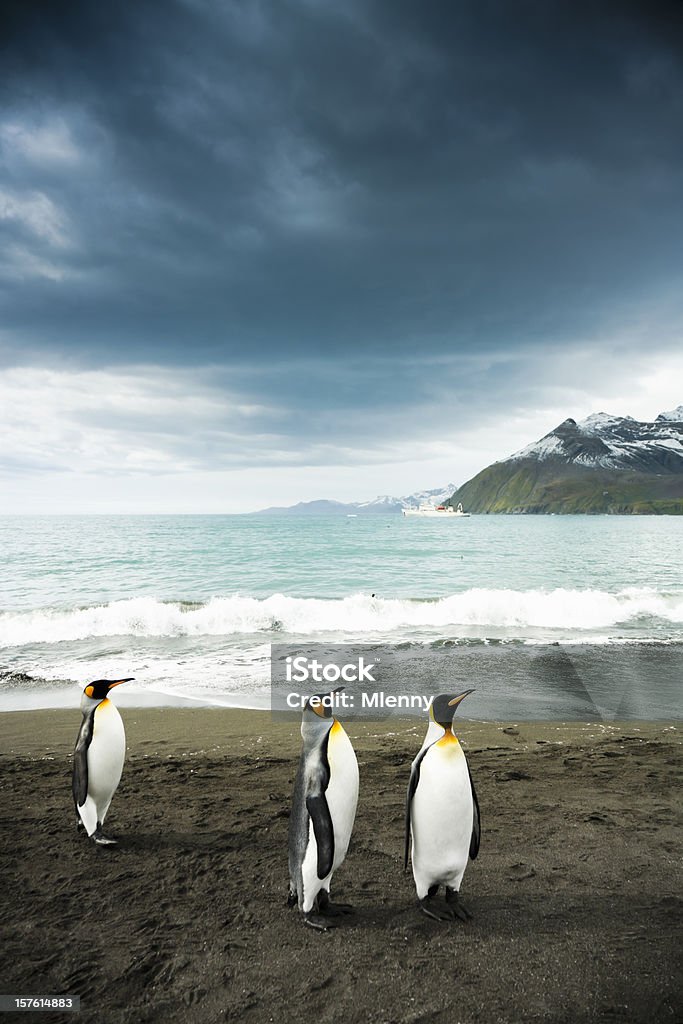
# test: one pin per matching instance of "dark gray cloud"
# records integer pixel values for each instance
(250, 184)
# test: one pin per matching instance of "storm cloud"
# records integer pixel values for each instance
(342, 217)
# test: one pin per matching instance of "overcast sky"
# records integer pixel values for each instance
(254, 253)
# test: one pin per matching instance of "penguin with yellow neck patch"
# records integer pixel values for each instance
(442, 814)
(323, 812)
(98, 757)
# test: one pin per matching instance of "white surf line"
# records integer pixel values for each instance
(212, 701)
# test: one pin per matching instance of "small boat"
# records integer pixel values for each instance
(438, 511)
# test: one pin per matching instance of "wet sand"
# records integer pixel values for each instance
(574, 894)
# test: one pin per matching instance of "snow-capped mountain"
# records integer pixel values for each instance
(603, 464)
(614, 442)
(382, 504)
(385, 502)
(676, 415)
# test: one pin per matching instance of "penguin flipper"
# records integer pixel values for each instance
(79, 780)
(324, 832)
(476, 821)
(412, 787)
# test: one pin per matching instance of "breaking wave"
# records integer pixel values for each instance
(358, 615)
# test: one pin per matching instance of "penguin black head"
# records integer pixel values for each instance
(315, 706)
(444, 707)
(99, 689)
(317, 718)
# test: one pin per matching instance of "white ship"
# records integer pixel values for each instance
(438, 511)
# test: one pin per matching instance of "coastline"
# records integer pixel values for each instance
(50, 732)
(574, 893)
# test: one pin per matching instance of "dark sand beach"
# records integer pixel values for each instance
(574, 895)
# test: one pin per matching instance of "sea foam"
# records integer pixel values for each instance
(357, 615)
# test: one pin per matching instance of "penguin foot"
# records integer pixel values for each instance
(330, 909)
(437, 913)
(321, 924)
(459, 909)
(99, 837)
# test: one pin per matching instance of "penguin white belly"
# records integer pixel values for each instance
(342, 791)
(106, 755)
(442, 815)
(342, 797)
(309, 872)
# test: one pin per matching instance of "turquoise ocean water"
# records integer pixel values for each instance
(190, 605)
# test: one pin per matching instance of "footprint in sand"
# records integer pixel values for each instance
(518, 872)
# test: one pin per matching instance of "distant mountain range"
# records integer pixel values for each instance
(383, 504)
(604, 464)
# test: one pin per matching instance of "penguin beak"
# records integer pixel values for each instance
(456, 700)
(119, 681)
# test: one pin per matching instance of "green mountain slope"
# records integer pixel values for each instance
(603, 465)
(535, 487)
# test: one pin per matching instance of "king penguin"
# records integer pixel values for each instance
(323, 812)
(98, 757)
(442, 814)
